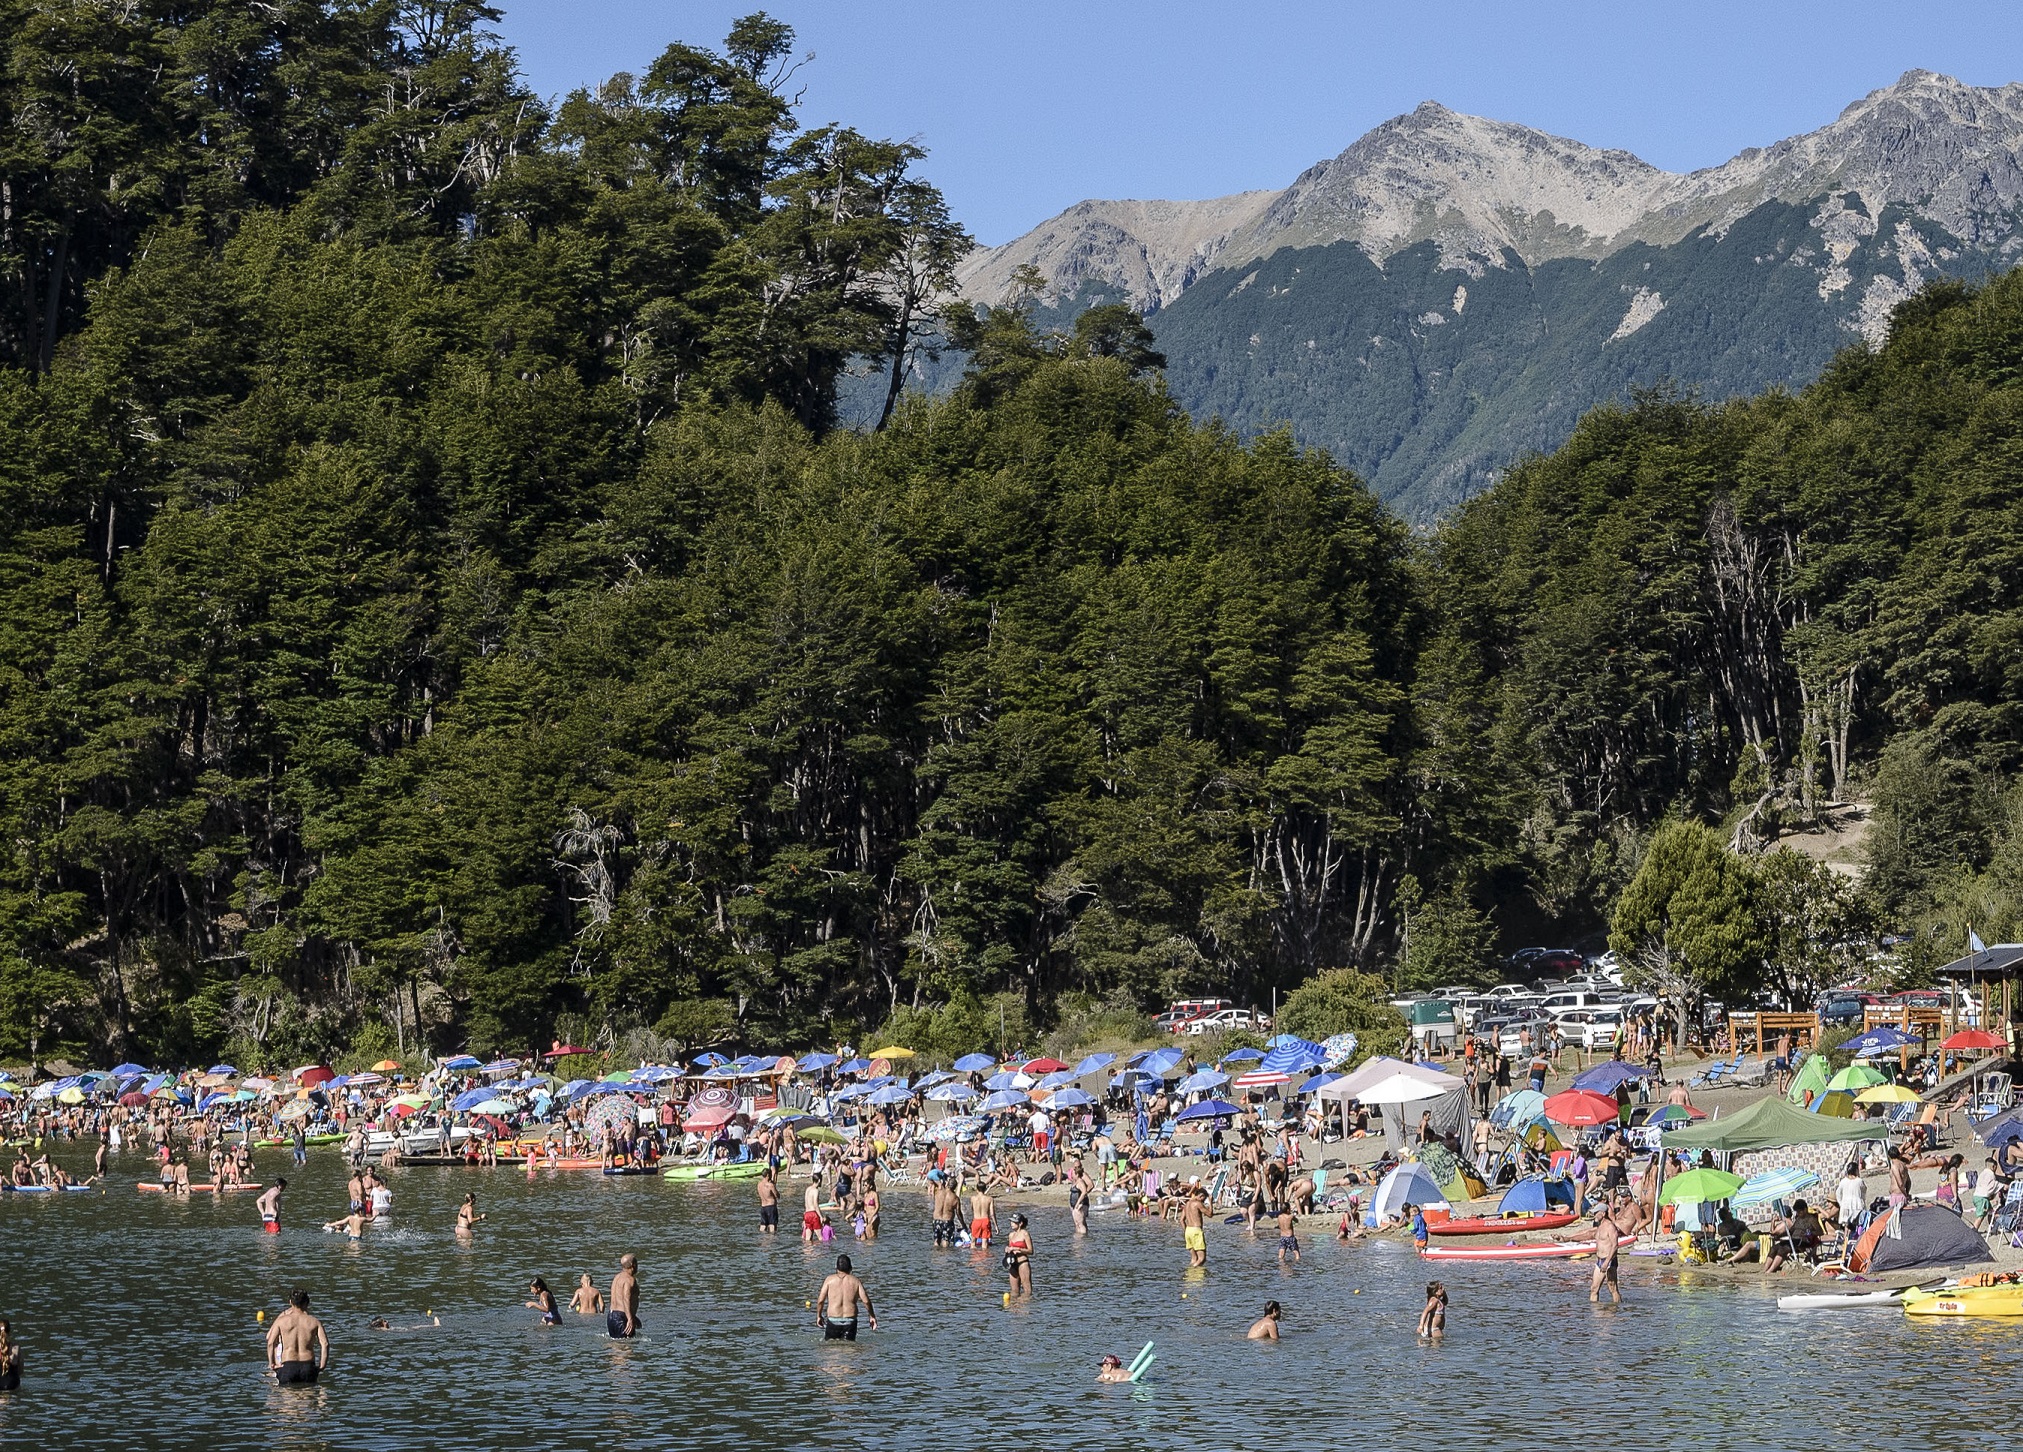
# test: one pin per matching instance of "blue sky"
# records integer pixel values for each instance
(1029, 107)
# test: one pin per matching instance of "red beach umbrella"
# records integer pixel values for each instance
(1043, 1066)
(1973, 1039)
(1581, 1106)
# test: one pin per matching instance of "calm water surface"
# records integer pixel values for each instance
(137, 1314)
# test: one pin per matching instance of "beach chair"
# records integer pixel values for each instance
(1713, 1074)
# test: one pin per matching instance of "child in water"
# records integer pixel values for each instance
(1433, 1320)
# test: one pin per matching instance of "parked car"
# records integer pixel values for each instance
(1839, 1008)
(1592, 1028)
(1508, 990)
(1184, 1011)
(1225, 1019)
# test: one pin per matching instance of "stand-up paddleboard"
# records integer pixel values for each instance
(1539, 1250)
(27, 1189)
(1502, 1224)
(155, 1187)
(748, 1170)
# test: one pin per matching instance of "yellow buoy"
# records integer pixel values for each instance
(259, 1315)
(1007, 1298)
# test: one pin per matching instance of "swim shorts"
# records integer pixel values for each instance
(614, 1325)
(811, 1220)
(1195, 1239)
(769, 1216)
(296, 1373)
(979, 1230)
(839, 1330)
(944, 1232)
(1288, 1242)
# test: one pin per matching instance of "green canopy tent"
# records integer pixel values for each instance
(1770, 1124)
(1813, 1074)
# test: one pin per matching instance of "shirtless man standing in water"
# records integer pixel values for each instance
(623, 1318)
(946, 1207)
(297, 1347)
(836, 1306)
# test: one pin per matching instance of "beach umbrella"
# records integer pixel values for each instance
(1069, 1099)
(1997, 1132)
(1008, 1079)
(1339, 1049)
(889, 1094)
(1094, 1063)
(295, 1109)
(951, 1093)
(1261, 1079)
(470, 1099)
(204, 1104)
(1773, 1185)
(1242, 1056)
(855, 1066)
(813, 1062)
(1003, 1099)
(367, 1079)
(1578, 1106)
(1699, 1187)
(132, 1100)
(257, 1084)
(1158, 1061)
(1054, 1080)
(791, 1119)
(221, 1069)
(1973, 1038)
(710, 1108)
(75, 1095)
(1042, 1066)
(708, 1061)
(311, 1075)
(1854, 1078)
(461, 1062)
(1404, 1088)
(1603, 1078)
(1882, 1039)
(1136, 1081)
(1202, 1080)
(563, 1051)
(122, 1071)
(822, 1134)
(1210, 1109)
(213, 1081)
(1290, 1059)
(1887, 1094)
(928, 1081)
(1666, 1116)
(974, 1063)
(1318, 1081)
(386, 1066)
(892, 1052)
(942, 1131)
(618, 1076)
(502, 1066)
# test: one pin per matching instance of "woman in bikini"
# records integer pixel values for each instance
(1018, 1257)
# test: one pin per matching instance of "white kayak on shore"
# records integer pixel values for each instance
(1843, 1301)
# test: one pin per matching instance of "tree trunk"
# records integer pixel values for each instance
(52, 306)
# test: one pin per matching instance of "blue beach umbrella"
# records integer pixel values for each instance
(812, 1062)
(1136, 1082)
(1242, 1056)
(1202, 1079)
(1003, 1099)
(470, 1099)
(1606, 1078)
(1157, 1061)
(1881, 1039)
(1008, 1079)
(890, 1094)
(951, 1093)
(1055, 1080)
(855, 1066)
(460, 1062)
(1319, 1081)
(1210, 1109)
(1094, 1062)
(1297, 1057)
(928, 1081)
(221, 1069)
(1069, 1099)
(974, 1063)
(1773, 1185)
(124, 1070)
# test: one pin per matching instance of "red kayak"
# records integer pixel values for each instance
(1536, 1250)
(1502, 1224)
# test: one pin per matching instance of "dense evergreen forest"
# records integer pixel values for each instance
(440, 606)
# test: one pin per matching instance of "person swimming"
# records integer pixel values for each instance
(10, 1358)
(588, 1300)
(1114, 1370)
(1265, 1327)
(1433, 1319)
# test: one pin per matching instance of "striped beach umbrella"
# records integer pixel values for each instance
(1774, 1185)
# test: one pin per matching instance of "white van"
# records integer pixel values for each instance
(1569, 999)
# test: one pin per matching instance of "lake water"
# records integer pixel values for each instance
(137, 1314)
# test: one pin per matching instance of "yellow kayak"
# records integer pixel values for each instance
(2004, 1300)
